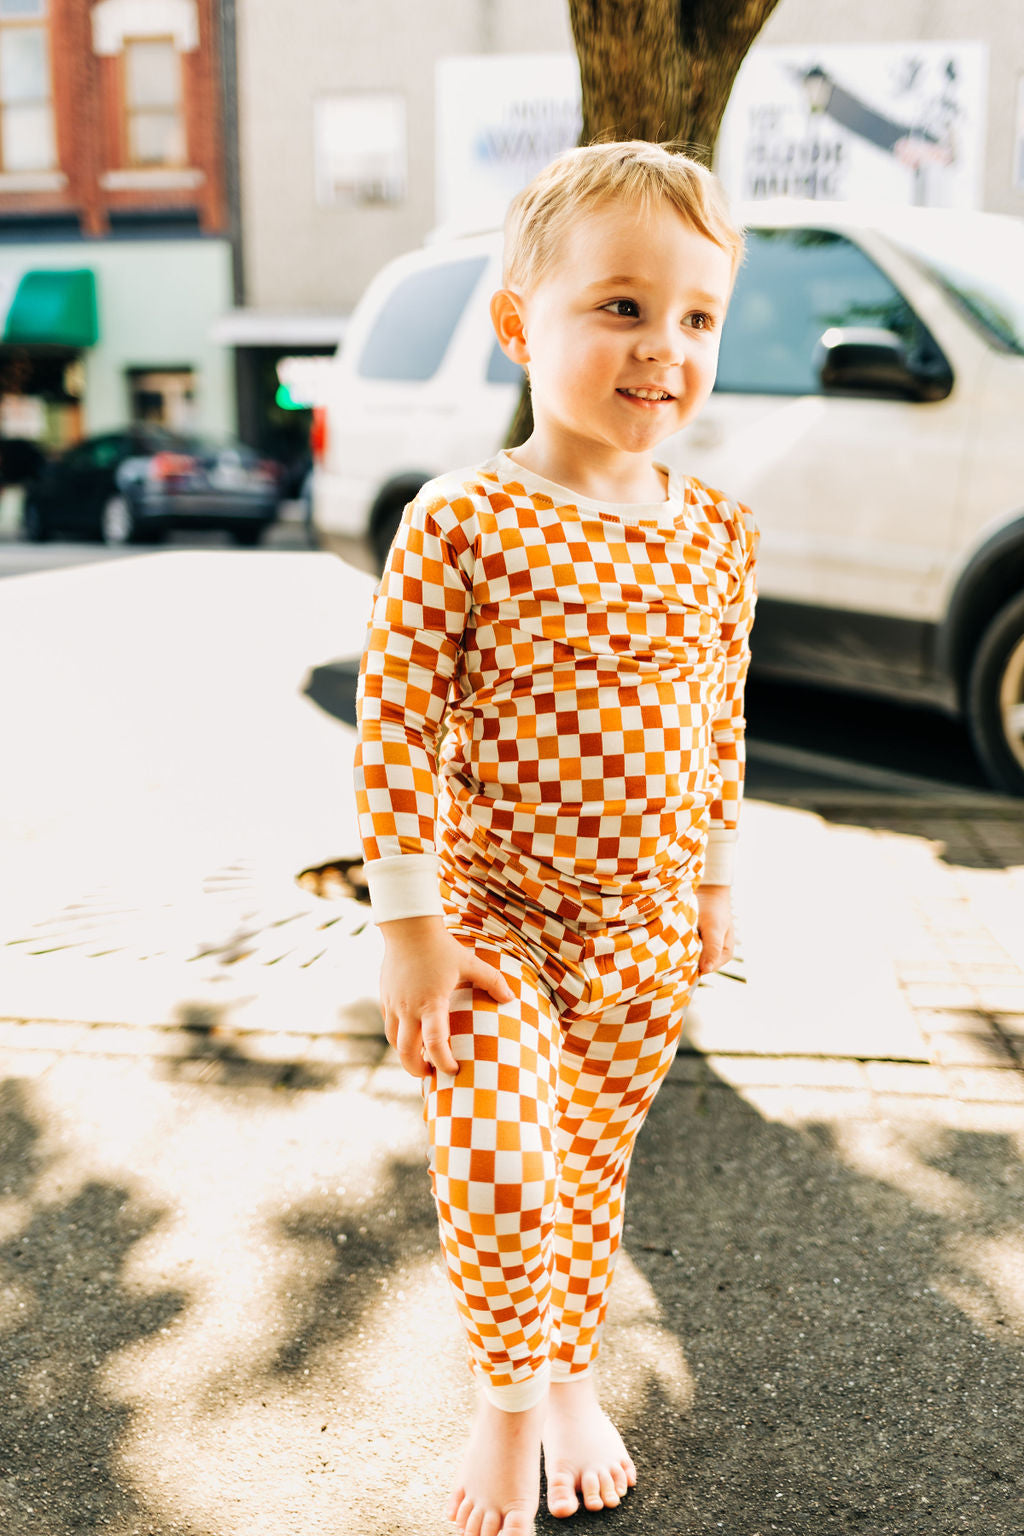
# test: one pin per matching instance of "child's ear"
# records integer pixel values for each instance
(507, 319)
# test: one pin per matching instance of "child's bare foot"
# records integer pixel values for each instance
(583, 1451)
(499, 1484)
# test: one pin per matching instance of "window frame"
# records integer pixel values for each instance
(128, 112)
(41, 23)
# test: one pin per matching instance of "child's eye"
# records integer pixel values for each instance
(626, 309)
(701, 321)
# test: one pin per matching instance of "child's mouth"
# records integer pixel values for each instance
(647, 397)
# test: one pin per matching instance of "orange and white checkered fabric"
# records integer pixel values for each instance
(551, 718)
(589, 670)
(531, 1141)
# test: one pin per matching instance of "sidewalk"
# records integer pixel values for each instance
(894, 951)
(221, 1308)
(224, 1314)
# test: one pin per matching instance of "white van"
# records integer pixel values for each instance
(869, 407)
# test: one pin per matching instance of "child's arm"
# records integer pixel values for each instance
(728, 742)
(415, 635)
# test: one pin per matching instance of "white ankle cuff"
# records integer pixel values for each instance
(561, 1370)
(518, 1396)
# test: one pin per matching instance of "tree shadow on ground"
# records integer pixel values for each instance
(857, 1360)
(357, 1248)
(853, 1343)
(214, 1054)
(66, 1311)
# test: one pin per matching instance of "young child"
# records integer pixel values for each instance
(551, 871)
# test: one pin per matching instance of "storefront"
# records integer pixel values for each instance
(49, 321)
(100, 334)
(276, 356)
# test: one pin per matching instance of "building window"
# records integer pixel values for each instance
(27, 140)
(359, 149)
(154, 122)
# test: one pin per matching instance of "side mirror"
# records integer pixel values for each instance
(866, 360)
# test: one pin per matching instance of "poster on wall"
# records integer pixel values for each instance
(884, 122)
(359, 149)
(500, 119)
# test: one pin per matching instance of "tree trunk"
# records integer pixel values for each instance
(661, 69)
(658, 70)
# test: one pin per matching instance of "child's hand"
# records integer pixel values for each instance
(714, 924)
(423, 965)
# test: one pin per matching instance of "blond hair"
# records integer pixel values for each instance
(632, 171)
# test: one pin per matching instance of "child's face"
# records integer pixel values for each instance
(634, 302)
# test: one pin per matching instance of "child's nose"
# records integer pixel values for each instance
(661, 344)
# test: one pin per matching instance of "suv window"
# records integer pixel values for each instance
(794, 285)
(412, 331)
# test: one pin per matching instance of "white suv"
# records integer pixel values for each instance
(869, 407)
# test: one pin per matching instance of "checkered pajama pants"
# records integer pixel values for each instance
(531, 1141)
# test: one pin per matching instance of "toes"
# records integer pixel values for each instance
(475, 1522)
(463, 1511)
(518, 1523)
(620, 1480)
(630, 1471)
(491, 1524)
(562, 1500)
(452, 1510)
(609, 1492)
(590, 1487)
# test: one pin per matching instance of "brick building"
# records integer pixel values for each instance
(115, 256)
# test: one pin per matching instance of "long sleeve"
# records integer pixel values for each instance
(416, 627)
(729, 726)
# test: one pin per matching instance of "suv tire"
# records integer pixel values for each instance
(247, 535)
(385, 526)
(995, 698)
(117, 522)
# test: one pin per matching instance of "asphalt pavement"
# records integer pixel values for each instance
(222, 1306)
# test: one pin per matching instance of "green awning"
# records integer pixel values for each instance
(53, 308)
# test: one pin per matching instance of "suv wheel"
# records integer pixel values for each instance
(117, 525)
(33, 524)
(995, 698)
(382, 535)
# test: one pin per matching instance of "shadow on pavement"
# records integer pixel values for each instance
(333, 688)
(66, 1312)
(854, 1340)
(985, 837)
(217, 1056)
(846, 1296)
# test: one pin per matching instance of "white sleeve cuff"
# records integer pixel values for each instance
(719, 856)
(407, 885)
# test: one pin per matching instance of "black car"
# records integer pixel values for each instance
(125, 487)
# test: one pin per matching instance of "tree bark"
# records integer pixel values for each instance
(658, 70)
(661, 69)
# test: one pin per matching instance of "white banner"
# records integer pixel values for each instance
(886, 122)
(500, 119)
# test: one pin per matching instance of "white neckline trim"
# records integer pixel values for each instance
(621, 511)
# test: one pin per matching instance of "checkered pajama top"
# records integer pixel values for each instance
(587, 660)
